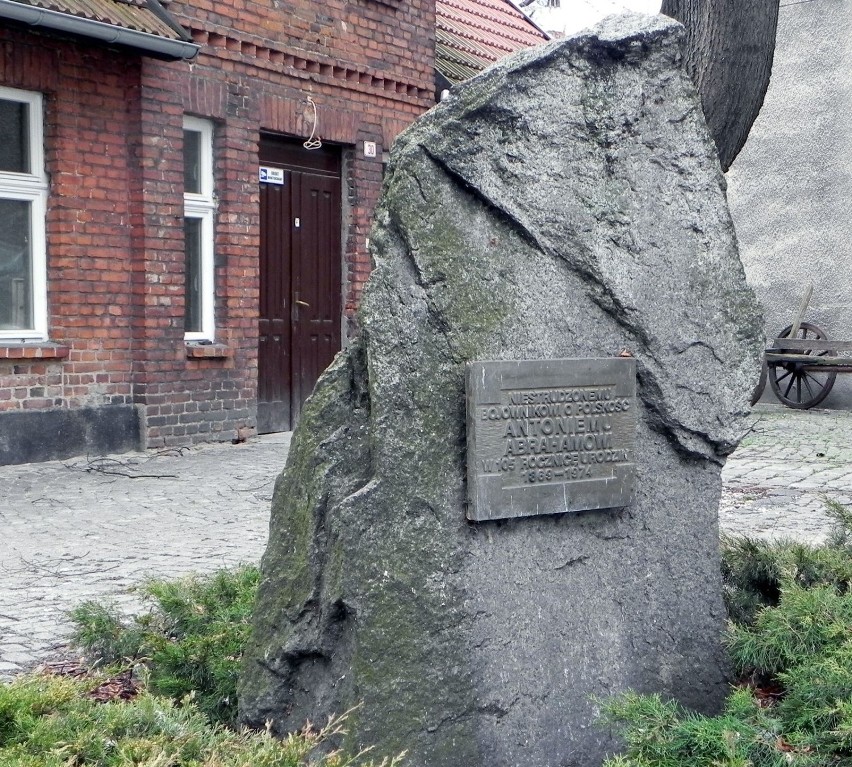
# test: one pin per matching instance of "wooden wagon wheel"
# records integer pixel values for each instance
(794, 385)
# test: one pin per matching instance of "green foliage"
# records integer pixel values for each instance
(807, 623)
(754, 571)
(191, 641)
(818, 696)
(841, 534)
(751, 576)
(791, 631)
(51, 722)
(189, 645)
(100, 630)
(661, 733)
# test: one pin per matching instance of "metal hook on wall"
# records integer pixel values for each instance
(313, 143)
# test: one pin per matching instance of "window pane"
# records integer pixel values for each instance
(14, 133)
(192, 234)
(192, 161)
(16, 304)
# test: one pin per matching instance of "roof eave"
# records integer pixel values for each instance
(442, 83)
(547, 36)
(98, 30)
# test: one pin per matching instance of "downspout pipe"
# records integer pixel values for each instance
(97, 30)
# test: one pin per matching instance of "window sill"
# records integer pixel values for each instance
(207, 351)
(34, 351)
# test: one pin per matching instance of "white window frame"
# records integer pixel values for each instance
(202, 206)
(31, 187)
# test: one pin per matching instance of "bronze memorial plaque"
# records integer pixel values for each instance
(549, 436)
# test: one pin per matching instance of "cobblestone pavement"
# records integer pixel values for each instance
(776, 483)
(85, 529)
(91, 529)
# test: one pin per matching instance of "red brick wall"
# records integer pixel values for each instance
(368, 66)
(368, 37)
(89, 127)
(113, 134)
(257, 66)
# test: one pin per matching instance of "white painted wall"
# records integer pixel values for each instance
(790, 190)
(571, 16)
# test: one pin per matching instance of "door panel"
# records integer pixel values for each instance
(316, 283)
(273, 364)
(300, 283)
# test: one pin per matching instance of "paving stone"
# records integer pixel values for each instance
(72, 532)
(775, 483)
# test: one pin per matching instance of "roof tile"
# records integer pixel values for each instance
(128, 14)
(473, 34)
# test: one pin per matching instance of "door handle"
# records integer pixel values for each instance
(296, 304)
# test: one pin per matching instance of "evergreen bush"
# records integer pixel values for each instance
(190, 642)
(54, 722)
(790, 639)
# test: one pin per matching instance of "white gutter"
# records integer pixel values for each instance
(97, 30)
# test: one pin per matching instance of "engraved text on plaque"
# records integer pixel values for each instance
(550, 436)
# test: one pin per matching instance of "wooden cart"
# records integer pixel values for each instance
(802, 363)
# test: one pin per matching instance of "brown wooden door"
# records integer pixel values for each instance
(300, 284)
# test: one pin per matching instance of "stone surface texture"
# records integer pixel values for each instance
(566, 203)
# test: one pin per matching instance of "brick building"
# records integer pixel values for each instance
(131, 213)
(175, 265)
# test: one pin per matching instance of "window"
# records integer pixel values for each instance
(199, 206)
(23, 195)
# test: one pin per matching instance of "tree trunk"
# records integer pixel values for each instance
(729, 49)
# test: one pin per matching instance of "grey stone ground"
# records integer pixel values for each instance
(776, 483)
(82, 529)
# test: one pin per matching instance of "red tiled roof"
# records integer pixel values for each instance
(140, 15)
(472, 34)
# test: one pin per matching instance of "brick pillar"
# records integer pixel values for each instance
(158, 264)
